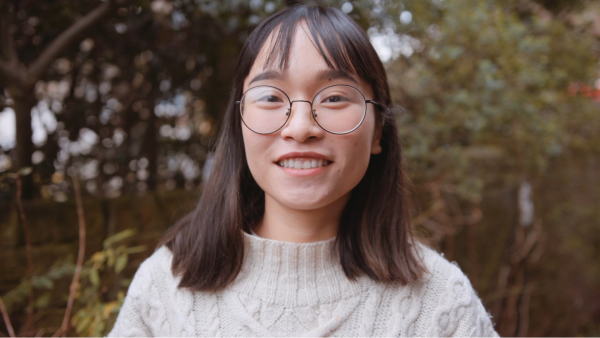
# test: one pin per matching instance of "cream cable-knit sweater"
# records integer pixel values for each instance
(290, 289)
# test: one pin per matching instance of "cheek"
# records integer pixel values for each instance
(251, 146)
(256, 147)
(356, 157)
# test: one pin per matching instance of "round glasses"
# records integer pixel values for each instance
(338, 109)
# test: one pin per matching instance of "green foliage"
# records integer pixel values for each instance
(43, 282)
(485, 78)
(95, 314)
(94, 310)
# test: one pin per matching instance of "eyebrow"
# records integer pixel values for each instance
(329, 74)
(268, 75)
(334, 74)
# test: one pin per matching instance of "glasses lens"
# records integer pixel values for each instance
(264, 109)
(339, 109)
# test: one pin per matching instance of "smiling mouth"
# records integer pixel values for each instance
(303, 163)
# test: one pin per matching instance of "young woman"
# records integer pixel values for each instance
(302, 229)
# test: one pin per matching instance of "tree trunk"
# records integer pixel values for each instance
(24, 101)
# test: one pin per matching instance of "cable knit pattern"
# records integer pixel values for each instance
(290, 289)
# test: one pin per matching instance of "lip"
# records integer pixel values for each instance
(309, 154)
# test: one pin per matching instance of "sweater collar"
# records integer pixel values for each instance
(294, 274)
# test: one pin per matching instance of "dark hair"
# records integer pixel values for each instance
(374, 236)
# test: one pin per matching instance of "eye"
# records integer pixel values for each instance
(270, 98)
(335, 98)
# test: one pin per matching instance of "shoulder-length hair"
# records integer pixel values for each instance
(374, 236)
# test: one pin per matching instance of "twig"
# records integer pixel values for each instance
(524, 313)
(28, 323)
(65, 324)
(9, 327)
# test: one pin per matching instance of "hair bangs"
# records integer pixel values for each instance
(323, 35)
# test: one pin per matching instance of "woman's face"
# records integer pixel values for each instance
(301, 141)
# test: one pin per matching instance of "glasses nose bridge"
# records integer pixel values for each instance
(312, 111)
(309, 102)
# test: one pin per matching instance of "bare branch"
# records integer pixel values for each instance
(80, 255)
(29, 322)
(9, 327)
(65, 39)
(7, 46)
(10, 73)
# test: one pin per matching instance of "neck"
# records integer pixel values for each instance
(300, 226)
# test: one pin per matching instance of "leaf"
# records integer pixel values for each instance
(25, 171)
(94, 277)
(108, 308)
(83, 324)
(42, 282)
(121, 263)
(98, 257)
(43, 300)
(99, 329)
(118, 237)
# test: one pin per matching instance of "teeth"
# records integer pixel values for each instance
(303, 163)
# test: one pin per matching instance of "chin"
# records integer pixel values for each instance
(306, 200)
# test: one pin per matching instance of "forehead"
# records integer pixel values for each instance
(283, 43)
(302, 50)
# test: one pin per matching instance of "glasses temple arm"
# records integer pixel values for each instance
(375, 103)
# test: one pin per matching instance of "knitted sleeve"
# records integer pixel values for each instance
(130, 322)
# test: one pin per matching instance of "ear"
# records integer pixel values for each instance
(376, 145)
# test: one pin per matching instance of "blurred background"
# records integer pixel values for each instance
(109, 112)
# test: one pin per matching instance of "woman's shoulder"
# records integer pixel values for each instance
(443, 278)
(154, 272)
(437, 264)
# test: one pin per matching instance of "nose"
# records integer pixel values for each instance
(301, 124)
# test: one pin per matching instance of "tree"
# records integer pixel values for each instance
(20, 76)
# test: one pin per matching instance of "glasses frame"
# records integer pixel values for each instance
(313, 112)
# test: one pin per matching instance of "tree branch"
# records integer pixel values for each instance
(9, 54)
(29, 322)
(65, 39)
(64, 328)
(9, 72)
(9, 327)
